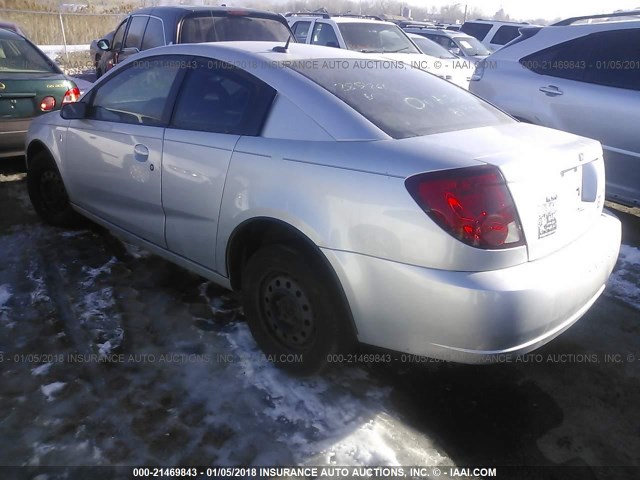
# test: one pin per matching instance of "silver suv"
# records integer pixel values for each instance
(581, 75)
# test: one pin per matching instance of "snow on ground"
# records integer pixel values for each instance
(55, 51)
(624, 282)
(193, 386)
(5, 294)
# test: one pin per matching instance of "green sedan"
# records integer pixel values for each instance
(30, 85)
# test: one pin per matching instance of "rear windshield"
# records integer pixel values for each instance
(18, 56)
(478, 30)
(471, 46)
(400, 100)
(375, 38)
(196, 29)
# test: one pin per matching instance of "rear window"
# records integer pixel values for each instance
(375, 38)
(402, 101)
(18, 56)
(196, 29)
(478, 30)
(505, 34)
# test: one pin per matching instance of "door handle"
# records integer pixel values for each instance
(141, 152)
(551, 90)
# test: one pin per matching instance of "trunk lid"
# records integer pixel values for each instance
(556, 179)
(22, 93)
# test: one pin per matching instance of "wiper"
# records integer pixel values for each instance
(396, 51)
(365, 50)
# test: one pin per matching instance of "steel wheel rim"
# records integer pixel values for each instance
(287, 312)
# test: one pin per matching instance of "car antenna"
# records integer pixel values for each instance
(284, 49)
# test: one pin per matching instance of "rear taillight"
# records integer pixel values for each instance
(472, 204)
(47, 104)
(72, 95)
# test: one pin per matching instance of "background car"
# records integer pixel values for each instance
(153, 27)
(581, 75)
(459, 44)
(30, 84)
(384, 39)
(355, 203)
(494, 34)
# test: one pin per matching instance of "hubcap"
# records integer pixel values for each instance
(288, 313)
(52, 192)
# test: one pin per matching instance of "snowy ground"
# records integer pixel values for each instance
(110, 355)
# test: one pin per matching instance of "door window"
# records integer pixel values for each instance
(566, 60)
(154, 34)
(478, 30)
(136, 30)
(118, 37)
(218, 97)
(301, 30)
(615, 59)
(323, 34)
(138, 94)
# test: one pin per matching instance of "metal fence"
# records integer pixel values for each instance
(62, 28)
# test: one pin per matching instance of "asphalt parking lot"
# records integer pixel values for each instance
(110, 355)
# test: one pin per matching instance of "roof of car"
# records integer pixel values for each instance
(339, 19)
(436, 31)
(182, 10)
(6, 33)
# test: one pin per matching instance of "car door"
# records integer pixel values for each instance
(114, 154)
(216, 105)
(586, 86)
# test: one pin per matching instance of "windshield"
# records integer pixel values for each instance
(429, 47)
(400, 100)
(471, 46)
(375, 38)
(18, 56)
(197, 29)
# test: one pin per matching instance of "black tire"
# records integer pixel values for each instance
(293, 308)
(48, 194)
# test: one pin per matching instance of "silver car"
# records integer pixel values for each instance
(580, 77)
(349, 199)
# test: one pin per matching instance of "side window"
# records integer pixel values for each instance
(566, 60)
(153, 35)
(323, 34)
(478, 30)
(218, 97)
(138, 94)
(118, 37)
(615, 59)
(301, 30)
(505, 34)
(136, 30)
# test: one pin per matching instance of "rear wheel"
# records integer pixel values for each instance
(293, 309)
(48, 194)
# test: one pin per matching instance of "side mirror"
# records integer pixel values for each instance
(74, 111)
(455, 51)
(103, 44)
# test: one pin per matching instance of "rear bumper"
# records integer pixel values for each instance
(12, 136)
(475, 317)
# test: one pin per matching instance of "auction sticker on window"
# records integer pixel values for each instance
(547, 222)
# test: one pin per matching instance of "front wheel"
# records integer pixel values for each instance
(48, 194)
(293, 309)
